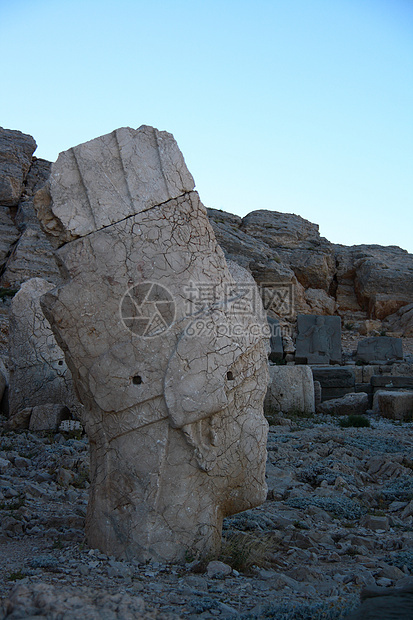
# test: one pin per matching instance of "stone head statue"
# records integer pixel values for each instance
(165, 345)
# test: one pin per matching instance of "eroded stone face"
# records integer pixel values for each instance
(38, 372)
(166, 347)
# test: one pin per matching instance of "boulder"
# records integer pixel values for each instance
(16, 150)
(394, 405)
(350, 404)
(291, 390)
(166, 350)
(48, 417)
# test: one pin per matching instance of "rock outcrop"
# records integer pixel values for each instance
(165, 348)
(356, 282)
(16, 150)
(401, 321)
(24, 250)
(373, 278)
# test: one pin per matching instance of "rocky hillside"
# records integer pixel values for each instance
(357, 283)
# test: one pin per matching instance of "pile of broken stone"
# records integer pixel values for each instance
(120, 214)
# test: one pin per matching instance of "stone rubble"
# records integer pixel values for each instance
(338, 518)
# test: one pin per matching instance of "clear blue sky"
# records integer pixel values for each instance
(301, 106)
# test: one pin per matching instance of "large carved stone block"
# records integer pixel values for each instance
(379, 348)
(291, 390)
(318, 339)
(166, 348)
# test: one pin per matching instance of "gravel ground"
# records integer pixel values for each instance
(338, 518)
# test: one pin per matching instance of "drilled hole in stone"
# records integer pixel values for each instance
(60, 362)
(230, 376)
(137, 380)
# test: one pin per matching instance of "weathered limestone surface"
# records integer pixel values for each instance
(38, 371)
(94, 188)
(24, 250)
(291, 390)
(298, 244)
(165, 348)
(402, 321)
(16, 149)
(381, 277)
(357, 282)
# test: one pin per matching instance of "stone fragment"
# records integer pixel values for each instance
(334, 392)
(166, 351)
(276, 343)
(218, 570)
(70, 425)
(38, 371)
(291, 390)
(42, 600)
(16, 150)
(391, 572)
(379, 348)
(394, 405)
(374, 522)
(65, 477)
(351, 404)
(94, 187)
(318, 339)
(48, 417)
(408, 510)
